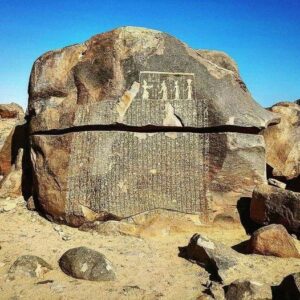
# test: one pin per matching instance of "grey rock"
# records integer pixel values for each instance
(216, 258)
(30, 266)
(85, 263)
(277, 183)
(274, 205)
(248, 290)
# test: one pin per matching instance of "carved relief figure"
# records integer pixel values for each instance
(176, 88)
(189, 89)
(146, 87)
(164, 91)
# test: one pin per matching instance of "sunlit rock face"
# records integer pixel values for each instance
(134, 120)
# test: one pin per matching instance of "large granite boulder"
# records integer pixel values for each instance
(11, 135)
(134, 120)
(283, 141)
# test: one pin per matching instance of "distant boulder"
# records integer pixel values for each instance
(283, 142)
(12, 135)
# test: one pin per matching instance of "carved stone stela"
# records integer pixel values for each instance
(127, 173)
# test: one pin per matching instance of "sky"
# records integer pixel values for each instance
(263, 36)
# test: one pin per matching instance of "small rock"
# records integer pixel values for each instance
(66, 237)
(85, 263)
(30, 204)
(30, 266)
(277, 183)
(248, 290)
(273, 240)
(8, 206)
(215, 257)
(57, 228)
(289, 288)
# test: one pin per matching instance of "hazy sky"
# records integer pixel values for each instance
(263, 36)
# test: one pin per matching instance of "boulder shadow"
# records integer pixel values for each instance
(243, 207)
(206, 263)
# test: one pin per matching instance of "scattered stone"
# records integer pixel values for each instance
(30, 204)
(283, 141)
(66, 237)
(277, 183)
(289, 288)
(270, 204)
(273, 240)
(248, 290)
(7, 205)
(30, 266)
(190, 88)
(216, 258)
(85, 263)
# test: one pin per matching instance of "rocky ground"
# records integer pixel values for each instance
(147, 266)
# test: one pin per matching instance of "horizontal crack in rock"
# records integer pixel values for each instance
(150, 128)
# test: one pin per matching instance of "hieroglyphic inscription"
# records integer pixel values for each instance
(157, 90)
(124, 175)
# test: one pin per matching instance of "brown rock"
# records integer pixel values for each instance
(12, 135)
(134, 120)
(274, 205)
(283, 141)
(30, 204)
(11, 184)
(273, 240)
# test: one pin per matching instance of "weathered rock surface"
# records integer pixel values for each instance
(289, 288)
(273, 240)
(98, 81)
(248, 290)
(85, 175)
(134, 120)
(220, 59)
(85, 263)
(29, 266)
(274, 205)
(283, 141)
(12, 135)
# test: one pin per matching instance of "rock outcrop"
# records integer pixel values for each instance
(273, 240)
(134, 120)
(283, 143)
(11, 135)
(270, 205)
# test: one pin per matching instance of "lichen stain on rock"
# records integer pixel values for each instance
(126, 100)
